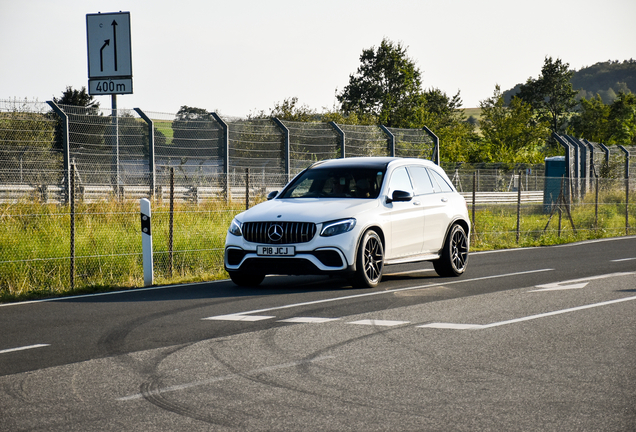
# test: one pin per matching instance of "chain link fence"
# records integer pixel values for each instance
(201, 171)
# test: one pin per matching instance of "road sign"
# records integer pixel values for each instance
(106, 86)
(109, 45)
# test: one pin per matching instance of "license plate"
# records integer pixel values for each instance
(275, 250)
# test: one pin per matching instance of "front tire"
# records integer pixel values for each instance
(245, 279)
(454, 254)
(370, 261)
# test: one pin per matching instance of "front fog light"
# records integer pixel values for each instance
(337, 227)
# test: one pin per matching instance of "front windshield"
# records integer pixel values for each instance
(342, 182)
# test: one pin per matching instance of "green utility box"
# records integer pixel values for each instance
(554, 173)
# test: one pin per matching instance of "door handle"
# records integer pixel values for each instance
(444, 199)
(416, 203)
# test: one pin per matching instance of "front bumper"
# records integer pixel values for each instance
(316, 262)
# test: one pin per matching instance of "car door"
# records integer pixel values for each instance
(440, 215)
(407, 218)
(433, 204)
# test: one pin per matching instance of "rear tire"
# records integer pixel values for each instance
(245, 279)
(454, 254)
(370, 261)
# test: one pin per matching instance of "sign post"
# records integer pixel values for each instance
(110, 67)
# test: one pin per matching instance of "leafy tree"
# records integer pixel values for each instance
(622, 119)
(387, 85)
(87, 136)
(591, 121)
(511, 134)
(551, 94)
(192, 125)
(610, 124)
(76, 97)
(290, 110)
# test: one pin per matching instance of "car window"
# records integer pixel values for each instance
(400, 181)
(421, 180)
(342, 182)
(443, 184)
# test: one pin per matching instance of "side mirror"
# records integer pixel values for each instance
(272, 195)
(400, 195)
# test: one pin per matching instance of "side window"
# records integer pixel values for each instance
(421, 181)
(400, 181)
(443, 184)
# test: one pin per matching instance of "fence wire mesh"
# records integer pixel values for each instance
(113, 159)
(36, 236)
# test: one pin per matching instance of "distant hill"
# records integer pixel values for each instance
(606, 79)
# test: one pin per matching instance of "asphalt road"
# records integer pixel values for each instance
(528, 339)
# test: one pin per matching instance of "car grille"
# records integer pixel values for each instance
(291, 232)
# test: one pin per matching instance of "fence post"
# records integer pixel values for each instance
(151, 150)
(436, 142)
(287, 147)
(624, 150)
(171, 225)
(116, 180)
(340, 132)
(247, 188)
(474, 201)
(146, 241)
(226, 154)
(65, 148)
(518, 205)
(391, 137)
(72, 212)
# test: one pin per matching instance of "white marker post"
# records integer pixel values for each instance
(146, 241)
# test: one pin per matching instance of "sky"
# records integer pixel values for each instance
(241, 57)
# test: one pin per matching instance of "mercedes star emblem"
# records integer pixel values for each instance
(275, 233)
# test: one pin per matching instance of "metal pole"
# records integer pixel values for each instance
(518, 205)
(287, 147)
(391, 137)
(72, 212)
(624, 150)
(226, 154)
(151, 150)
(115, 143)
(65, 149)
(474, 199)
(171, 225)
(436, 142)
(340, 132)
(247, 188)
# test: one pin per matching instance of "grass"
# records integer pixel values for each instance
(35, 241)
(35, 246)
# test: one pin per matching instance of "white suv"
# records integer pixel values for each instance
(351, 217)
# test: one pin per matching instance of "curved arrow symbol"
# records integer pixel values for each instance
(101, 54)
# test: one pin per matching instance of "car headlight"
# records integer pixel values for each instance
(235, 228)
(337, 227)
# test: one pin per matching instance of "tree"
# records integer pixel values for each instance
(87, 136)
(608, 124)
(76, 98)
(387, 85)
(591, 121)
(622, 119)
(510, 133)
(551, 94)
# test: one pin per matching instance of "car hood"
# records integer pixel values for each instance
(315, 210)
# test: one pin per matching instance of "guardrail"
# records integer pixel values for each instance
(53, 194)
(503, 197)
